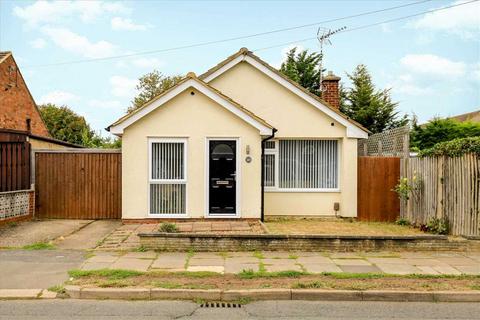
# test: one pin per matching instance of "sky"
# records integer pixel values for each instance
(431, 61)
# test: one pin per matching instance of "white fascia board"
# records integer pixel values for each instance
(118, 129)
(353, 131)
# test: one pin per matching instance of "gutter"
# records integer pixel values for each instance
(262, 203)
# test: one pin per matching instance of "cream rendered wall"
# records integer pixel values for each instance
(194, 117)
(294, 118)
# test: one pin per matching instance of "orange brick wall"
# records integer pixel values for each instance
(16, 103)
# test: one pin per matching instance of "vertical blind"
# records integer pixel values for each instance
(269, 170)
(308, 164)
(167, 161)
(167, 183)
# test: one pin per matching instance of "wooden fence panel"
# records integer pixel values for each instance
(14, 166)
(449, 188)
(377, 176)
(78, 184)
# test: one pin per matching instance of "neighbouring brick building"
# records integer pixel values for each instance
(18, 111)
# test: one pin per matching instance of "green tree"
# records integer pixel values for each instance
(440, 130)
(151, 85)
(66, 125)
(372, 108)
(303, 68)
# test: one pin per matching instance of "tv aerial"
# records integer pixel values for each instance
(323, 36)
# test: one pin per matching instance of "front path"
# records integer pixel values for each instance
(431, 263)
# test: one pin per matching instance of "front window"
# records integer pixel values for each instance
(167, 177)
(302, 165)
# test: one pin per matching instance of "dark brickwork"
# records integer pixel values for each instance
(330, 92)
(16, 103)
(217, 243)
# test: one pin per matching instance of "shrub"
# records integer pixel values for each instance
(405, 188)
(454, 148)
(441, 130)
(403, 222)
(168, 227)
(437, 226)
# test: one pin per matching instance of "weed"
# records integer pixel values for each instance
(141, 249)
(475, 287)
(224, 255)
(111, 274)
(347, 275)
(190, 254)
(166, 285)
(12, 224)
(168, 227)
(309, 285)
(250, 274)
(244, 300)
(113, 284)
(403, 222)
(293, 257)
(57, 289)
(258, 255)
(39, 246)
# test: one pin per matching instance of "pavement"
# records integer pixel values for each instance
(21, 234)
(401, 263)
(121, 310)
(23, 269)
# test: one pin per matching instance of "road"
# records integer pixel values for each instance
(120, 310)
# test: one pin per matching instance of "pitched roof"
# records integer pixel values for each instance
(190, 80)
(217, 70)
(470, 116)
(4, 55)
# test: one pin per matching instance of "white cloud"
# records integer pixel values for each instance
(148, 63)
(41, 12)
(463, 20)
(78, 44)
(122, 86)
(386, 27)
(105, 104)
(38, 43)
(433, 65)
(119, 23)
(58, 97)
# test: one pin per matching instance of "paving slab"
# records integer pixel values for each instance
(351, 262)
(19, 293)
(245, 260)
(401, 269)
(314, 259)
(103, 259)
(459, 261)
(96, 265)
(345, 255)
(387, 260)
(321, 267)
(447, 270)
(283, 267)
(131, 264)
(141, 255)
(424, 262)
(283, 261)
(239, 267)
(206, 262)
(473, 270)
(170, 260)
(218, 269)
(361, 269)
(207, 255)
(427, 270)
(277, 254)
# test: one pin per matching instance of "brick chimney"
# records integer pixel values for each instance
(330, 91)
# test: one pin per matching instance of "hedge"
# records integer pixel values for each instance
(453, 148)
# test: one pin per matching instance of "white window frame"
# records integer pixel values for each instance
(184, 181)
(273, 152)
(276, 152)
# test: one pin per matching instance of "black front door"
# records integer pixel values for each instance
(222, 179)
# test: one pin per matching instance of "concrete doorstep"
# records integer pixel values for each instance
(77, 292)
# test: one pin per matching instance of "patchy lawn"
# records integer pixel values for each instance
(338, 227)
(251, 280)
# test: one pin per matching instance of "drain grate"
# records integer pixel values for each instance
(220, 305)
